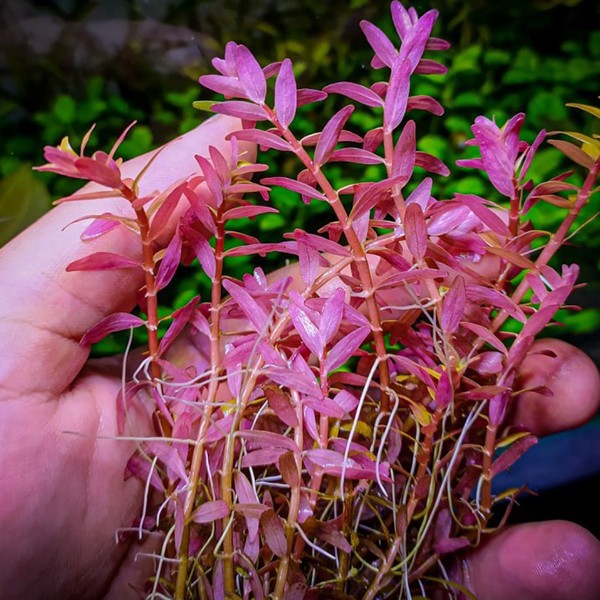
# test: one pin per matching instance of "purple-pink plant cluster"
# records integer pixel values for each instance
(339, 433)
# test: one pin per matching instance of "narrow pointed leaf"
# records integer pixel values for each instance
(255, 313)
(272, 528)
(170, 262)
(396, 98)
(381, 44)
(263, 138)
(345, 348)
(331, 134)
(415, 231)
(295, 186)
(241, 110)
(453, 305)
(211, 511)
(103, 261)
(110, 324)
(355, 91)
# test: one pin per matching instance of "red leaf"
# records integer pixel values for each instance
(374, 194)
(331, 134)
(453, 305)
(487, 216)
(211, 511)
(285, 94)
(181, 317)
(249, 211)
(268, 439)
(110, 324)
(102, 261)
(512, 454)
(272, 528)
(170, 262)
(280, 403)
(295, 186)
(575, 153)
(164, 213)
(415, 231)
(431, 163)
(203, 251)
(403, 162)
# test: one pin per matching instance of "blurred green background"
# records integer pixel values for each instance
(65, 64)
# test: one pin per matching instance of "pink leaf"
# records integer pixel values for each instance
(255, 313)
(332, 314)
(170, 262)
(444, 391)
(356, 155)
(477, 293)
(93, 169)
(331, 134)
(415, 231)
(307, 96)
(267, 439)
(99, 226)
(575, 153)
(285, 94)
(230, 87)
(431, 163)
(164, 213)
(295, 186)
(251, 75)
(453, 305)
(324, 406)
(486, 335)
(294, 380)
(306, 328)
(202, 249)
(345, 348)
(213, 181)
(421, 194)
(247, 212)
(355, 91)
(426, 103)
(396, 98)
(209, 512)
(102, 261)
(181, 317)
(430, 67)
(373, 194)
(309, 260)
(241, 110)
(383, 48)
(263, 138)
(110, 324)
(403, 162)
(487, 216)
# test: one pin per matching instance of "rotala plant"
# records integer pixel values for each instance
(339, 431)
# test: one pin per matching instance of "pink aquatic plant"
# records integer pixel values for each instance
(338, 432)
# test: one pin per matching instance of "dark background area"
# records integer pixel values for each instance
(65, 64)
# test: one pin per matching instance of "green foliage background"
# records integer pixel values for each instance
(67, 64)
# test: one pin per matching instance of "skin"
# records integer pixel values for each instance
(63, 494)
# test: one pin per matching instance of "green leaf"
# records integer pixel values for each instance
(23, 199)
(204, 104)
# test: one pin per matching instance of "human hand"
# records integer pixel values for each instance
(64, 495)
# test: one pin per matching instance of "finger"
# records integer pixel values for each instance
(536, 561)
(574, 383)
(44, 310)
